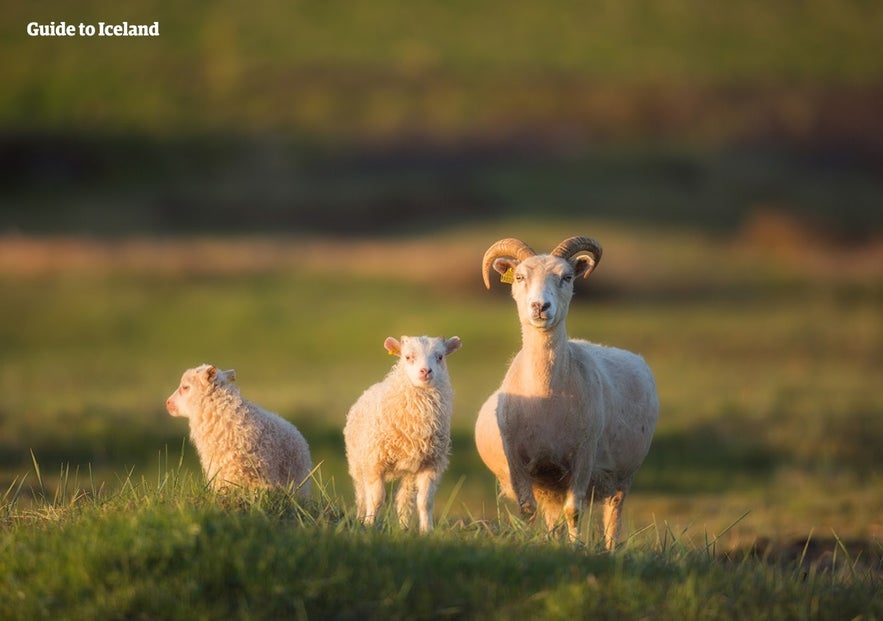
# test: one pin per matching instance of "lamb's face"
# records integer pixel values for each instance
(423, 357)
(542, 287)
(195, 384)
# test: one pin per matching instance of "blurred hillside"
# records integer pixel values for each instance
(389, 116)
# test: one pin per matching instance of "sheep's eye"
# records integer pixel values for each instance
(439, 357)
(185, 388)
(566, 278)
(519, 277)
(409, 358)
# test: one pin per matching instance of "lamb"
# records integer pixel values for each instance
(572, 420)
(400, 428)
(239, 443)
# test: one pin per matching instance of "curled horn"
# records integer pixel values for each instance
(573, 246)
(509, 247)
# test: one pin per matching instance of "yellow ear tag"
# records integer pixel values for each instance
(508, 276)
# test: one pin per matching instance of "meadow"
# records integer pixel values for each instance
(761, 495)
(276, 188)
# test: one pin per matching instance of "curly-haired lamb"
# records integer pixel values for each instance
(239, 443)
(400, 428)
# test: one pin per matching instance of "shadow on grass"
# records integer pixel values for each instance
(238, 184)
(705, 459)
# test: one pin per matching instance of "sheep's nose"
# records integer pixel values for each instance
(425, 373)
(540, 307)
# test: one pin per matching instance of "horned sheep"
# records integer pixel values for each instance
(239, 443)
(572, 420)
(400, 429)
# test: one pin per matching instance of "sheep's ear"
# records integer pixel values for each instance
(583, 266)
(211, 372)
(452, 345)
(392, 346)
(504, 264)
(229, 375)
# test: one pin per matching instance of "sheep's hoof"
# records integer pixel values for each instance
(528, 511)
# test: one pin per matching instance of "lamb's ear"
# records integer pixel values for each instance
(211, 372)
(229, 375)
(583, 266)
(452, 345)
(392, 346)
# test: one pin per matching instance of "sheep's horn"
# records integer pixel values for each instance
(509, 247)
(573, 246)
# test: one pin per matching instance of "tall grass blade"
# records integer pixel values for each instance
(39, 475)
(451, 497)
(725, 530)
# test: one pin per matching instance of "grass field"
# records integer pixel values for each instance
(443, 71)
(276, 188)
(767, 360)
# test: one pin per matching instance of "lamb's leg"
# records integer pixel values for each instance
(426, 484)
(375, 494)
(612, 518)
(360, 498)
(405, 500)
(359, 487)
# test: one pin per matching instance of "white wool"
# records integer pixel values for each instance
(400, 429)
(239, 443)
(571, 420)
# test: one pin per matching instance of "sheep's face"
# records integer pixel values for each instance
(195, 384)
(542, 286)
(423, 357)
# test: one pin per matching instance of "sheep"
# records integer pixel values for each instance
(572, 420)
(400, 428)
(239, 443)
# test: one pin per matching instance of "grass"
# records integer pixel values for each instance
(766, 378)
(755, 125)
(165, 547)
(761, 496)
(389, 71)
(168, 548)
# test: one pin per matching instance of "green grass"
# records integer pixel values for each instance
(165, 547)
(767, 377)
(767, 362)
(339, 71)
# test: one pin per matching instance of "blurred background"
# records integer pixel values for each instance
(278, 187)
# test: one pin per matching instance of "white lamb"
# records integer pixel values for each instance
(239, 443)
(572, 420)
(400, 428)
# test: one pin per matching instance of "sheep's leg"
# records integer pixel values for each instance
(520, 483)
(575, 498)
(375, 494)
(360, 498)
(574, 504)
(527, 503)
(359, 486)
(550, 505)
(612, 518)
(405, 500)
(426, 484)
